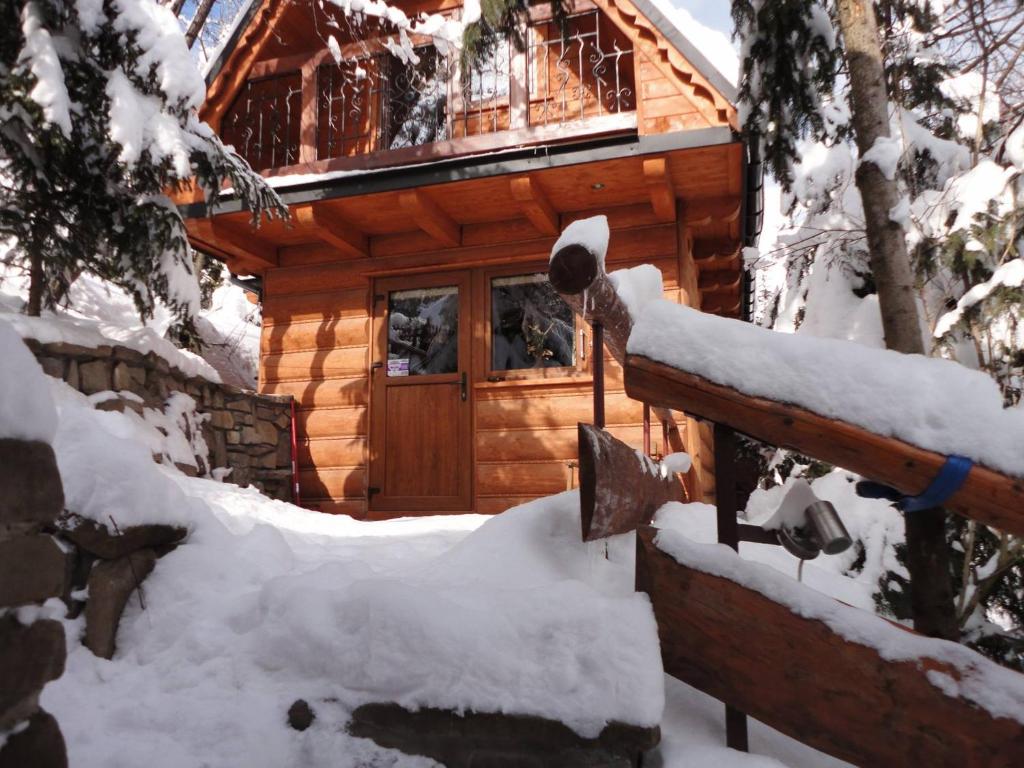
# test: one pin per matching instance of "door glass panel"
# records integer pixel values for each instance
(531, 325)
(423, 331)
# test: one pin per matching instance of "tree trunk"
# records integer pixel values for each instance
(927, 552)
(195, 26)
(35, 285)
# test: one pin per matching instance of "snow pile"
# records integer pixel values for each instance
(515, 619)
(106, 465)
(26, 408)
(934, 404)
(266, 603)
(637, 286)
(978, 680)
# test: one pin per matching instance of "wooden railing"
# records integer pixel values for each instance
(794, 664)
(372, 101)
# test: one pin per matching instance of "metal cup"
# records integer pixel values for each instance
(827, 528)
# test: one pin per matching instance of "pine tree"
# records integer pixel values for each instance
(97, 123)
(956, 99)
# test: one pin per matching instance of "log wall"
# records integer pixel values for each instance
(316, 347)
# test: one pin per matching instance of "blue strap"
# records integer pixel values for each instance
(946, 483)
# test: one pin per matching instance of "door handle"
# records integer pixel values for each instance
(462, 387)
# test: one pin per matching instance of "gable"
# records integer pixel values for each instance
(680, 88)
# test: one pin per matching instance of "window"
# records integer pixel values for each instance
(423, 331)
(531, 326)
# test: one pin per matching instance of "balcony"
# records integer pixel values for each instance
(374, 109)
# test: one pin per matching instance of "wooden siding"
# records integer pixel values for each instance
(316, 347)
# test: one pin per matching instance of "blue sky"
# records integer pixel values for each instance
(714, 13)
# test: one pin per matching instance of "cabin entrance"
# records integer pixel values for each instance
(420, 422)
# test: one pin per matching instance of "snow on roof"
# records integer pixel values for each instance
(935, 404)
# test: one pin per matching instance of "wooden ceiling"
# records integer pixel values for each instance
(698, 177)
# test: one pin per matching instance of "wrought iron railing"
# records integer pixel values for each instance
(383, 102)
(585, 72)
(264, 122)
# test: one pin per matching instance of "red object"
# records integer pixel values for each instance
(296, 497)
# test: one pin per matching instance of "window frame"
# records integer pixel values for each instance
(581, 365)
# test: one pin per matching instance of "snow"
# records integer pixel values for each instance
(885, 153)
(264, 603)
(934, 404)
(106, 466)
(591, 234)
(1014, 147)
(677, 463)
(139, 124)
(101, 315)
(1010, 275)
(231, 333)
(636, 286)
(978, 680)
(50, 91)
(154, 28)
(713, 43)
(470, 12)
(26, 409)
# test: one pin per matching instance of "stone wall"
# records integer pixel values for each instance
(246, 432)
(33, 569)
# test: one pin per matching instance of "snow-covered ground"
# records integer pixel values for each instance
(266, 603)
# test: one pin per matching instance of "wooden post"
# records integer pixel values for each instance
(574, 272)
(729, 534)
(598, 361)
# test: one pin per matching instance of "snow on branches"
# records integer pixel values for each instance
(98, 120)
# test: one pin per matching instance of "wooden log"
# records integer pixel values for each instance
(803, 678)
(620, 488)
(575, 272)
(987, 496)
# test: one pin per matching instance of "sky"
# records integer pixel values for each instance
(713, 13)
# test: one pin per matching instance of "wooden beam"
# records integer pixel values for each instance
(718, 282)
(801, 677)
(702, 212)
(535, 204)
(430, 218)
(987, 496)
(716, 255)
(234, 242)
(331, 229)
(660, 188)
(620, 488)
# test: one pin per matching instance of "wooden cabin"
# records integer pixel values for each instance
(406, 305)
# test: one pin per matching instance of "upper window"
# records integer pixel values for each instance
(531, 325)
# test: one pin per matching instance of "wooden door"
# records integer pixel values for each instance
(421, 448)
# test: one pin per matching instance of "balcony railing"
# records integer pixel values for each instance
(378, 102)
